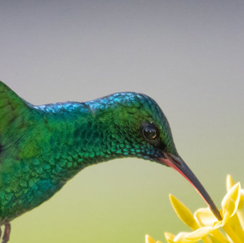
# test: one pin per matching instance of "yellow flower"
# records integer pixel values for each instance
(149, 239)
(204, 224)
(209, 224)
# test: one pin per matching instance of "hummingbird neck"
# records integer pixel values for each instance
(77, 137)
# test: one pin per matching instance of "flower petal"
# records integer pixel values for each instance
(149, 239)
(228, 211)
(235, 225)
(183, 213)
(217, 236)
(240, 213)
(229, 182)
(181, 238)
(234, 196)
(199, 233)
(169, 237)
(214, 240)
(205, 217)
(242, 195)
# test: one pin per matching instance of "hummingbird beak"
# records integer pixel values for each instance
(179, 165)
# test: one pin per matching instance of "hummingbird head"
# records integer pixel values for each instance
(136, 126)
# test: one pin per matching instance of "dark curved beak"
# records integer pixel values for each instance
(179, 165)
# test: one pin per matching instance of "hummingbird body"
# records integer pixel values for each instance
(42, 147)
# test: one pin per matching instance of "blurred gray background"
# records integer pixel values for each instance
(188, 55)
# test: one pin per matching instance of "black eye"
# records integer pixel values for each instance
(150, 132)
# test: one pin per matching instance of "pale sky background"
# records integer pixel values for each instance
(188, 55)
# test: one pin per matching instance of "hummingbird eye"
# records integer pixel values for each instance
(150, 132)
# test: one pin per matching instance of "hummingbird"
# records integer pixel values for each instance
(44, 146)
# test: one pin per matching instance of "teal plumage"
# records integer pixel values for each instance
(42, 147)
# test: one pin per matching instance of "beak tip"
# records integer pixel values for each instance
(179, 165)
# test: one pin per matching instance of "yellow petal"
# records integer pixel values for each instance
(183, 213)
(228, 211)
(169, 237)
(231, 233)
(229, 182)
(170, 241)
(242, 195)
(217, 236)
(235, 225)
(149, 239)
(232, 195)
(181, 238)
(225, 219)
(205, 217)
(199, 233)
(214, 240)
(240, 213)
